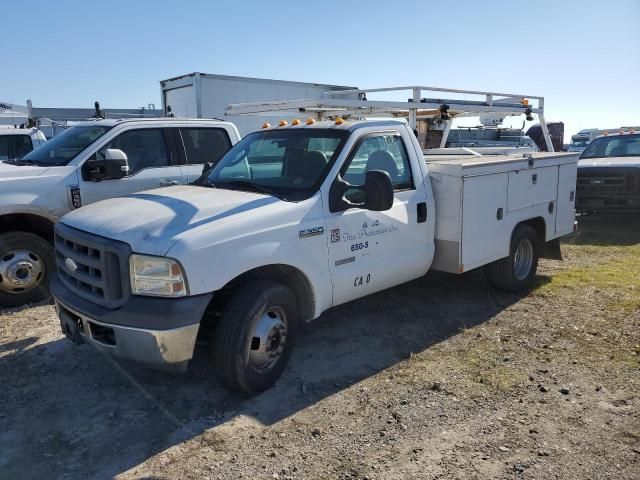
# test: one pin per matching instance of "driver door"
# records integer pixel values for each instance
(150, 156)
(370, 251)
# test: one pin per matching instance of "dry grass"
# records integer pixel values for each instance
(587, 310)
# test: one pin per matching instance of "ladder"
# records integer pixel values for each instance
(424, 103)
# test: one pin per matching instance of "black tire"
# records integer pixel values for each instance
(42, 256)
(235, 342)
(504, 274)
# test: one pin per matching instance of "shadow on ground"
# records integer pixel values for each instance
(607, 230)
(68, 412)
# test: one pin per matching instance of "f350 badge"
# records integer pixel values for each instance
(311, 232)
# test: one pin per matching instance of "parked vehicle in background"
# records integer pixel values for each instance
(298, 218)
(89, 162)
(203, 95)
(16, 142)
(609, 174)
(580, 140)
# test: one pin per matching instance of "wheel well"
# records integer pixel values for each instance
(27, 222)
(285, 274)
(539, 226)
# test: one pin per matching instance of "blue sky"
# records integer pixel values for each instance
(584, 57)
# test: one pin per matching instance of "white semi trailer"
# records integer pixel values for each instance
(203, 95)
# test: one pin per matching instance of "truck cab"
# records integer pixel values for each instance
(293, 220)
(609, 174)
(89, 162)
(18, 142)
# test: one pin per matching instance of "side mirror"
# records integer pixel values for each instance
(377, 190)
(114, 166)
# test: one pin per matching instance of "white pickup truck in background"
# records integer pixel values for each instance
(296, 219)
(16, 142)
(89, 162)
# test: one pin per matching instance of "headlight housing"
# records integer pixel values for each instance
(156, 276)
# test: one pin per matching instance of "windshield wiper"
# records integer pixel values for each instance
(252, 187)
(19, 162)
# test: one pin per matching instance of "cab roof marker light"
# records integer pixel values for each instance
(295, 121)
(266, 125)
(311, 121)
(339, 121)
(283, 123)
(525, 101)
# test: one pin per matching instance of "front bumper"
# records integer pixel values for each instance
(166, 342)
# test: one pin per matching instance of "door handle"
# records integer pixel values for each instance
(422, 212)
(168, 183)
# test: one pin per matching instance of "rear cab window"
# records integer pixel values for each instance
(204, 145)
(14, 146)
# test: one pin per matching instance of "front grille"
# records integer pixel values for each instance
(607, 181)
(93, 267)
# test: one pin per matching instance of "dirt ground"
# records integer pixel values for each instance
(437, 378)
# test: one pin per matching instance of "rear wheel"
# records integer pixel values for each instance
(26, 265)
(255, 336)
(517, 271)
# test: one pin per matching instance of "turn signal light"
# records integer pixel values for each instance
(283, 123)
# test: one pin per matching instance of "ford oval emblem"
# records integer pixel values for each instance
(70, 264)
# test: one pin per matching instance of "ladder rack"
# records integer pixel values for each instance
(333, 104)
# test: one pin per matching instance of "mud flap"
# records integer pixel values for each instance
(551, 250)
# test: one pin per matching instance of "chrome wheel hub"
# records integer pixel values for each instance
(268, 340)
(20, 271)
(523, 259)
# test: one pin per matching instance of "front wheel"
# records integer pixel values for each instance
(26, 266)
(517, 271)
(255, 336)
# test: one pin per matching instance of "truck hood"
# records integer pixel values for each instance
(151, 221)
(610, 162)
(8, 171)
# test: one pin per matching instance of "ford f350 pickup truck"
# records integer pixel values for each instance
(86, 163)
(292, 221)
(609, 174)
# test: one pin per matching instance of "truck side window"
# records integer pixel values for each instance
(145, 148)
(5, 151)
(205, 144)
(22, 144)
(379, 152)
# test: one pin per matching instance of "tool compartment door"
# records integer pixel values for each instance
(531, 187)
(566, 214)
(485, 232)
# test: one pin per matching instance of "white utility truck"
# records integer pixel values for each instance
(295, 219)
(86, 163)
(16, 142)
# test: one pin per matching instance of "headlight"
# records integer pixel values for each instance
(156, 276)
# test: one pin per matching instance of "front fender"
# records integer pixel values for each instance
(211, 269)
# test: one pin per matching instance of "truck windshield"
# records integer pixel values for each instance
(614, 146)
(579, 141)
(63, 148)
(290, 164)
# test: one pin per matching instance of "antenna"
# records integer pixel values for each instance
(99, 113)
